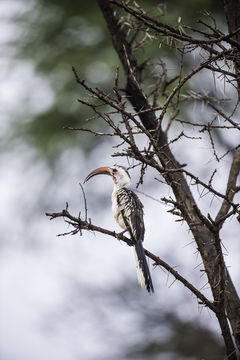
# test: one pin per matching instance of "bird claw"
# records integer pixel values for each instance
(122, 232)
(119, 235)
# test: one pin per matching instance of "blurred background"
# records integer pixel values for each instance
(75, 297)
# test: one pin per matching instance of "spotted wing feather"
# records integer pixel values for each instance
(131, 210)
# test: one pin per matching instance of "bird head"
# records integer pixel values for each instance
(118, 173)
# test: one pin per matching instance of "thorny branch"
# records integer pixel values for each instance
(80, 225)
(150, 112)
(231, 190)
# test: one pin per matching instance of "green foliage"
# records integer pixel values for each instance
(56, 35)
(163, 334)
(183, 339)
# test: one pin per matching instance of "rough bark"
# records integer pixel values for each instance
(232, 12)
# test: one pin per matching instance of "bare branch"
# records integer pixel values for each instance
(230, 191)
(145, 107)
(85, 225)
(85, 202)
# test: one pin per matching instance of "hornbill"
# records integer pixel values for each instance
(128, 212)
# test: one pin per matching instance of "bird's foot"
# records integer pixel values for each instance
(122, 232)
(119, 235)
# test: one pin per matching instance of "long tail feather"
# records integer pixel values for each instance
(143, 273)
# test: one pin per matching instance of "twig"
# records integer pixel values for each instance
(85, 201)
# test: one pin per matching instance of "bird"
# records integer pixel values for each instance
(128, 212)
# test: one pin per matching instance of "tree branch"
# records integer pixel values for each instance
(230, 190)
(205, 238)
(79, 225)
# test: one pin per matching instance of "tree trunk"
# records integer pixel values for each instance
(205, 233)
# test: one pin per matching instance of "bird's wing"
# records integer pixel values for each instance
(131, 210)
(132, 213)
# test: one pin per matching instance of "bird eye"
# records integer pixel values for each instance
(114, 170)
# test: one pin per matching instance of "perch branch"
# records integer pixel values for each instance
(79, 224)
